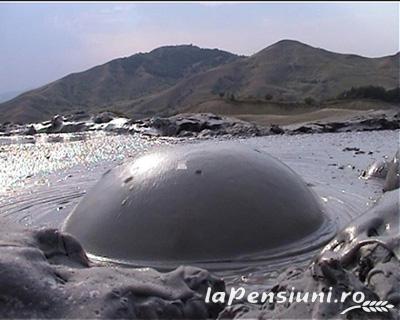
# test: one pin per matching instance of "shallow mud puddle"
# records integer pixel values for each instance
(43, 178)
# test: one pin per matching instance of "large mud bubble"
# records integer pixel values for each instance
(201, 204)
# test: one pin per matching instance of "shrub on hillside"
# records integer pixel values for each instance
(372, 92)
(309, 101)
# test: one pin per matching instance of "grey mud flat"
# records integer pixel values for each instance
(363, 257)
(46, 274)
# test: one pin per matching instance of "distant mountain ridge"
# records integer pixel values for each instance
(185, 78)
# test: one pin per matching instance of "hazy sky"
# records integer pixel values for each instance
(41, 42)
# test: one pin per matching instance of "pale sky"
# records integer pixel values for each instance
(41, 42)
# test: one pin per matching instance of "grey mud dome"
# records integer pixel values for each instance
(202, 204)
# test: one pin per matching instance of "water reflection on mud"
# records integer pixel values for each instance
(43, 178)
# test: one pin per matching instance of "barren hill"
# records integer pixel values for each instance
(177, 79)
(123, 79)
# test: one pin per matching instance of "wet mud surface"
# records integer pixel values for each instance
(363, 257)
(208, 203)
(42, 181)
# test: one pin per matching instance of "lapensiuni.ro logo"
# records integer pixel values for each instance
(240, 294)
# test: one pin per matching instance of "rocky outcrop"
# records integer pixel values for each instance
(30, 131)
(199, 125)
(375, 121)
(103, 117)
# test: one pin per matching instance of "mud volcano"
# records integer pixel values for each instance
(203, 203)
